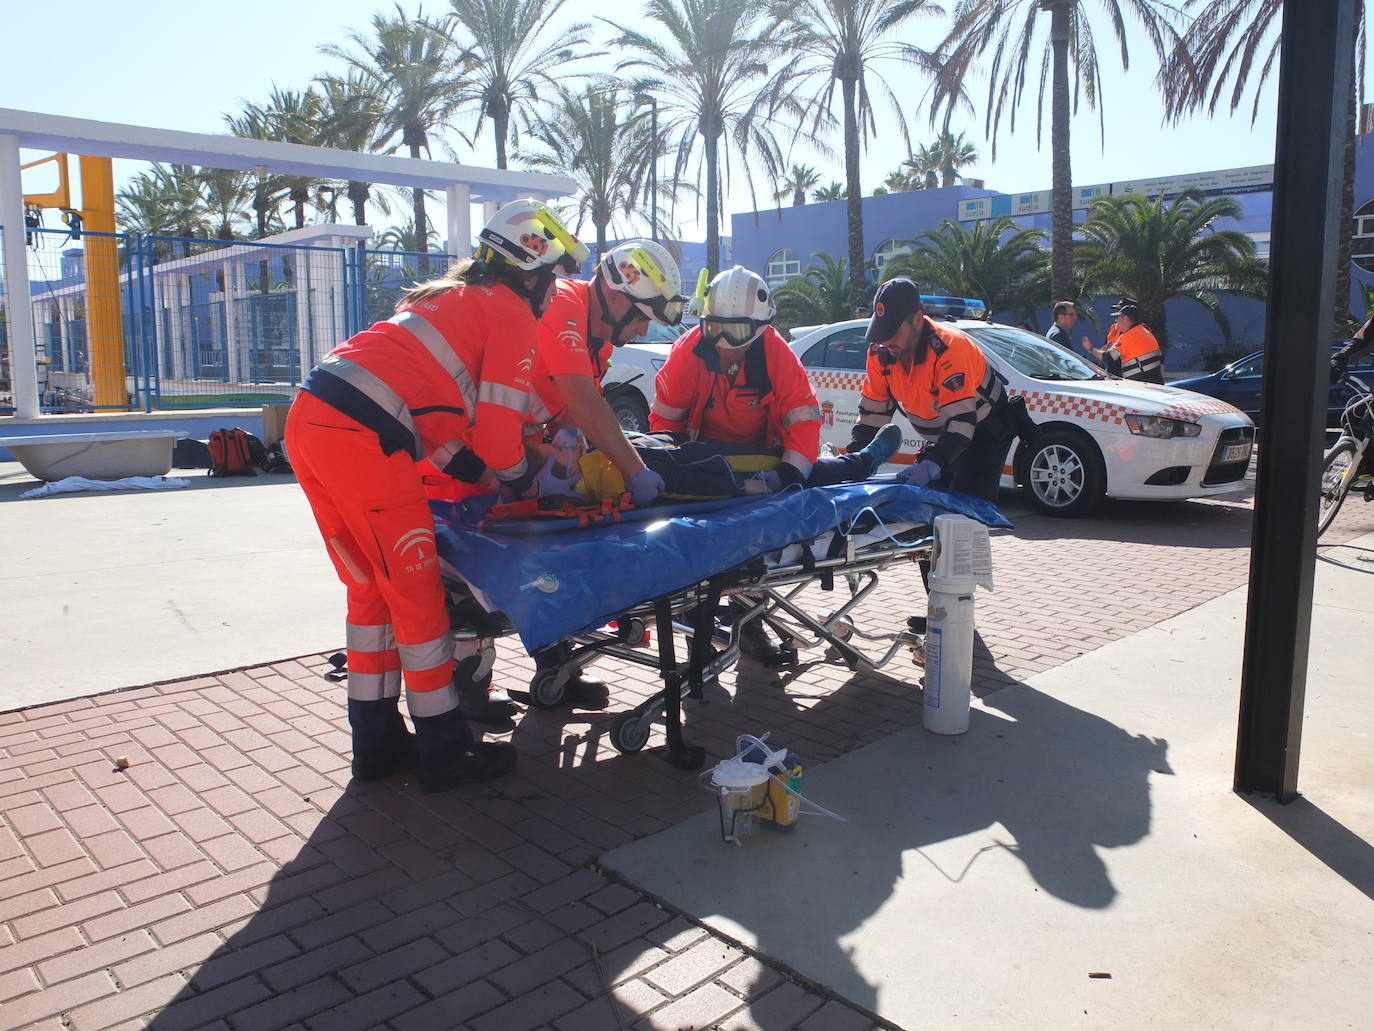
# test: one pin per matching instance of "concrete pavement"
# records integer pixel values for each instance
(233, 875)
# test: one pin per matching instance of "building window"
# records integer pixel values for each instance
(782, 266)
(1362, 237)
(888, 250)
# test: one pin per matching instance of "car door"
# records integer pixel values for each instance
(1242, 385)
(835, 363)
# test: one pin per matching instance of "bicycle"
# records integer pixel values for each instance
(1346, 465)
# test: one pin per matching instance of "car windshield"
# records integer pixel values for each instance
(1032, 355)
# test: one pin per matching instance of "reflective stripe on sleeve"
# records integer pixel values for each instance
(428, 334)
(514, 398)
(802, 413)
(798, 461)
(671, 414)
(512, 472)
(443, 454)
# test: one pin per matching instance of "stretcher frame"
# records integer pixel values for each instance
(768, 594)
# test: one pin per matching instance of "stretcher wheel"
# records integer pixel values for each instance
(634, 631)
(546, 689)
(630, 732)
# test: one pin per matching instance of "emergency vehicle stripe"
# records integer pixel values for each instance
(802, 413)
(797, 459)
(428, 334)
(512, 472)
(373, 687)
(514, 398)
(378, 638)
(671, 414)
(433, 700)
(373, 387)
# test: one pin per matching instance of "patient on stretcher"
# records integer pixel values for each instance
(696, 469)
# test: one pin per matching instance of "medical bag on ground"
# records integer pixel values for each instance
(235, 452)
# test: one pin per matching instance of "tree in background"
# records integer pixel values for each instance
(268, 190)
(165, 200)
(511, 66)
(842, 41)
(903, 180)
(997, 262)
(596, 138)
(944, 156)
(403, 238)
(352, 109)
(1154, 251)
(707, 67)
(1236, 42)
(289, 116)
(797, 181)
(228, 201)
(1009, 29)
(412, 66)
(835, 191)
(821, 295)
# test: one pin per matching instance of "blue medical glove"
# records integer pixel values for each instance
(644, 486)
(920, 474)
(551, 484)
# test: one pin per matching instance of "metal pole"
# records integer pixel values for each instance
(18, 309)
(1317, 41)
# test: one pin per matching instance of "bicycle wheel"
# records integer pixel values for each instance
(1338, 473)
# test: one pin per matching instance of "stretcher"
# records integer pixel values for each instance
(594, 589)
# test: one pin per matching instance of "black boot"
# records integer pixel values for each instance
(755, 643)
(450, 756)
(472, 679)
(381, 743)
(581, 691)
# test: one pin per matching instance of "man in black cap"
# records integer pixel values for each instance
(940, 380)
(1132, 352)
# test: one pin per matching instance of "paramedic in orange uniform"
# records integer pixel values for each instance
(444, 379)
(734, 379)
(1133, 350)
(634, 283)
(938, 378)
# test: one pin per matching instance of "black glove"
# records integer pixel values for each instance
(1338, 369)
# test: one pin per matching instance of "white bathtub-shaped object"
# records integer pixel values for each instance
(96, 456)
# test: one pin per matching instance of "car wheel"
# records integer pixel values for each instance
(1063, 474)
(630, 411)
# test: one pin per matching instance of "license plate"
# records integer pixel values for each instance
(1236, 453)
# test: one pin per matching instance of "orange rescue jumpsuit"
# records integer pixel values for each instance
(565, 347)
(767, 402)
(1139, 354)
(446, 379)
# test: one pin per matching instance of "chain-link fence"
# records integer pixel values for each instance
(154, 322)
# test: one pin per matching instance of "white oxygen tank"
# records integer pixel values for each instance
(961, 561)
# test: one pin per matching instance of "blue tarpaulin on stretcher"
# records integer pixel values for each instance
(553, 580)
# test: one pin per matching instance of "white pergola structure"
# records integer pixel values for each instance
(463, 185)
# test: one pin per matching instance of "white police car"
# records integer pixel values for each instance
(1099, 436)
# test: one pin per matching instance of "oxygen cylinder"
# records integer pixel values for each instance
(949, 656)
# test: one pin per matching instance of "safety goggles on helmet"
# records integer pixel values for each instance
(731, 332)
(667, 310)
(646, 273)
(528, 235)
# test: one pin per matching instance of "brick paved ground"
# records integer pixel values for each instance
(232, 878)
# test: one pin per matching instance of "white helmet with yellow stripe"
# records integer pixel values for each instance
(530, 236)
(647, 273)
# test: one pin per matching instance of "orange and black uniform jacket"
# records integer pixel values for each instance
(1140, 355)
(565, 347)
(946, 393)
(447, 379)
(768, 402)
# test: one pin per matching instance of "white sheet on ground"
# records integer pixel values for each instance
(76, 484)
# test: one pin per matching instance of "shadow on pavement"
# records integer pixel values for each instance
(1343, 851)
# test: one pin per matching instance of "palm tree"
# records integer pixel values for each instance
(267, 189)
(946, 154)
(842, 41)
(165, 200)
(404, 238)
(511, 67)
(1010, 30)
(412, 65)
(797, 181)
(289, 116)
(997, 262)
(708, 71)
(1153, 251)
(228, 200)
(1229, 42)
(595, 138)
(903, 180)
(820, 295)
(835, 191)
(352, 111)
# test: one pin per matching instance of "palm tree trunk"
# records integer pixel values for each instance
(1061, 179)
(798, 196)
(712, 205)
(500, 120)
(358, 194)
(417, 198)
(600, 239)
(1153, 315)
(854, 210)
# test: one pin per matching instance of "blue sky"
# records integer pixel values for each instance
(184, 70)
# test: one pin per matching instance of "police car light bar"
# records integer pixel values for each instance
(954, 307)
